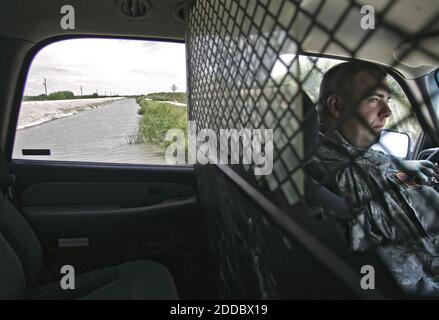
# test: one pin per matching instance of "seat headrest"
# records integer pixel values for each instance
(310, 126)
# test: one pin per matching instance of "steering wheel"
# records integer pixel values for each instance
(434, 157)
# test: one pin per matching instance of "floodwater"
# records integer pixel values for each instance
(96, 135)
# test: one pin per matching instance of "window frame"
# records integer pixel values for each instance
(399, 78)
(19, 95)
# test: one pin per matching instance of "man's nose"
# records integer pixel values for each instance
(385, 111)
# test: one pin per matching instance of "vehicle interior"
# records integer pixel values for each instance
(208, 231)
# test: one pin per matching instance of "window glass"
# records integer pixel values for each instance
(311, 74)
(102, 100)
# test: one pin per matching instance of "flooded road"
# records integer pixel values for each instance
(97, 135)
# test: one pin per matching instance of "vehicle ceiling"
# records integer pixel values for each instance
(36, 21)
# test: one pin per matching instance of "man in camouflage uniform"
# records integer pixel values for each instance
(397, 206)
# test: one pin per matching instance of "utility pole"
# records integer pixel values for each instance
(45, 86)
(81, 92)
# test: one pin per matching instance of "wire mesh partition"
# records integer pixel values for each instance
(256, 66)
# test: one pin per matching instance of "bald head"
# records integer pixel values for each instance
(353, 100)
(345, 79)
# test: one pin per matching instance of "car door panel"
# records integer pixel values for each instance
(94, 215)
(165, 220)
(99, 193)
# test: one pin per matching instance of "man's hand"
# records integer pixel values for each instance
(423, 170)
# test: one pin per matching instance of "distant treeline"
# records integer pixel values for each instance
(65, 95)
(62, 95)
(168, 96)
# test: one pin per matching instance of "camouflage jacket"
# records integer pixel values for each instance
(395, 217)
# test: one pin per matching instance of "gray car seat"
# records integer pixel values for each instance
(316, 194)
(21, 259)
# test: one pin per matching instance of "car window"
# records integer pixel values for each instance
(102, 100)
(311, 72)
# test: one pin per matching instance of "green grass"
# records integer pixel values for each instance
(168, 96)
(157, 118)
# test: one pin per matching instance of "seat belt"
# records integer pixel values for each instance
(319, 195)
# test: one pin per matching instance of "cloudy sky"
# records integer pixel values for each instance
(121, 67)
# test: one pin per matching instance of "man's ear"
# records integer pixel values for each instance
(333, 103)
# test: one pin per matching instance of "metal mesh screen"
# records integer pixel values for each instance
(234, 47)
